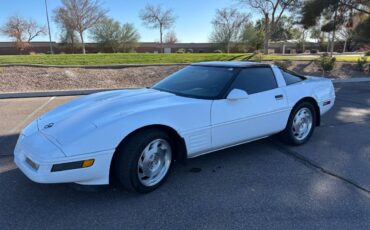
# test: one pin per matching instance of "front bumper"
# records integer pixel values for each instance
(37, 160)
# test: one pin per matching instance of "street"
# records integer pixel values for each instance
(323, 184)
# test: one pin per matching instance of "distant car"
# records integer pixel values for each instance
(135, 135)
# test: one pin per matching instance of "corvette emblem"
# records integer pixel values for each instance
(48, 126)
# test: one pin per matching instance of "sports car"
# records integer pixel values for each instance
(134, 135)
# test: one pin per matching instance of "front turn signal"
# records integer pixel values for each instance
(72, 165)
(87, 163)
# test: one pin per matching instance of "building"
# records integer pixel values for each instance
(152, 47)
(8, 48)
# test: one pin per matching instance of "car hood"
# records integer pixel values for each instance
(87, 113)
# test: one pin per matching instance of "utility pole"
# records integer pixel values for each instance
(47, 18)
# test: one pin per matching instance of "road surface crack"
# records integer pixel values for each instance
(314, 165)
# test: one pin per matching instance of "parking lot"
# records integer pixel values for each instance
(323, 184)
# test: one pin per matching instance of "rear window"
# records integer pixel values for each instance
(291, 77)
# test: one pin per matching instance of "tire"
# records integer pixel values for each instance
(137, 158)
(292, 135)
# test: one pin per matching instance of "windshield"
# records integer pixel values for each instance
(197, 81)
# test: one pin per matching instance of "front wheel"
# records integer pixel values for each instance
(144, 160)
(301, 124)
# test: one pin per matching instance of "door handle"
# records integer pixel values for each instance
(279, 97)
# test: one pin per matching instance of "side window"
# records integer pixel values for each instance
(255, 80)
(290, 77)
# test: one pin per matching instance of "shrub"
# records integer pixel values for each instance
(180, 51)
(217, 51)
(362, 63)
(367, 53)
(326, 62)
(313, 51)
(190, 51)
(283, 64)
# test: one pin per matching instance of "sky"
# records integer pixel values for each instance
(193, 22)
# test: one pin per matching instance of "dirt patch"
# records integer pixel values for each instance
(342, 70)
(27, 79)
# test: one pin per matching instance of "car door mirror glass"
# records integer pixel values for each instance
(237, 94)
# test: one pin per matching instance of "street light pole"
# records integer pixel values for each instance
(47, 18)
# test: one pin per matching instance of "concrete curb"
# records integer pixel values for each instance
(121, 66)
(59, 93)
(116, 66)
(352, 80)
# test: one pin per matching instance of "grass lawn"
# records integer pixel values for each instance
(120, 58)
(142, 58)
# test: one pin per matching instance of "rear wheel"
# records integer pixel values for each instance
(144, 160)
(301, 124)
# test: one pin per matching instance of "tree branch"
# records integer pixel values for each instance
(354, 7)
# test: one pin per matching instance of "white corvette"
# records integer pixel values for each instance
(135, 135)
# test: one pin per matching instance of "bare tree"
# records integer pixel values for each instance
(80, 15)
(171, 38)
(345, 34)
(227, 26)
(272, 11)
(22, 31)
(348, 32)
(70, 40)
(336, 13)
(156, 17)
(300, 34)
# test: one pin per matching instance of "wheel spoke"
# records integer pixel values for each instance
(155, 146)
(302, 123)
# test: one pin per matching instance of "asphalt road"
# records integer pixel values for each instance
(262, 185)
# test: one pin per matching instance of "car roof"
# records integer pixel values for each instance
(239, 64)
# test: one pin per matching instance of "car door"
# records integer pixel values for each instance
(263, 112)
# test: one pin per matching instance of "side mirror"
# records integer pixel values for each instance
(237, 94)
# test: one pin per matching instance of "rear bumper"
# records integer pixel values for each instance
(38, 168)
